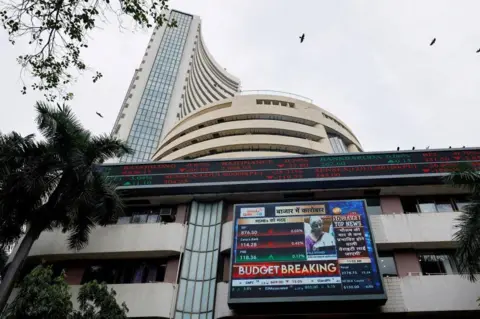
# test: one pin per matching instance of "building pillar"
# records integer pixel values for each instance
(407, 263)
(182, 211)
(226, 268)
(391, 205)
(171, 271)
(229, 213)
(198, 274)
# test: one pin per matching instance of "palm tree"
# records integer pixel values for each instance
(53, 183)
(468, 227)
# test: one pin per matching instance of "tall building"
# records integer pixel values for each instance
(176, 76)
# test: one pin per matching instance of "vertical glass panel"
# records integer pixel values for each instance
(195, 316)
(211, 238)
(208, 266)
(186, 263)
(213, 218)
(189, 296)
(211, 296)
(206, 214)
(206, 288)
(219, 212)
(187, 316)
(181, 294)
(197, 237)
(204, 240)
(201, 266)
(193, 266)
(210, 315)
(214, 263)
(198, 296)
(203, 316)
(193, 212)
(200, 213)
(178, 315)
(190, 232)
(217, 235)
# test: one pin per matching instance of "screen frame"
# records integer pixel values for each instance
(377, 298)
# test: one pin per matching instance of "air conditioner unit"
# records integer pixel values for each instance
(165, 212)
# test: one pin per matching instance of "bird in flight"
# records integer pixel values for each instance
(478, 51)
(302, 37)
(99, 115)
(433, 41)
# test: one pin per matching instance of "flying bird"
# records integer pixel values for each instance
(433, 41)
(478, 51)
(302, 37)
(99, 115)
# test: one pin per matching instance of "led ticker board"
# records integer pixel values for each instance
(290, 170)
(301, 252)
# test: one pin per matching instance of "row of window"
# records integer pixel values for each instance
(275, 102)
(431, 263)
(150, 116)
(126, 271)
(147, 215)
(433, 204)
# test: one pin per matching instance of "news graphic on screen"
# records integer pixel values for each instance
(309, 251)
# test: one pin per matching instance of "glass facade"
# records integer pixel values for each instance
(148, 122)
(338, 145)
(196, 294)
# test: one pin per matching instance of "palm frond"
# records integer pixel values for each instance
(468, 238)
(103, 147)
(466, 178)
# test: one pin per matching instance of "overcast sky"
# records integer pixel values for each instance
(368, 62)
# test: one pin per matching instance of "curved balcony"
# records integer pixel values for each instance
(115, 241)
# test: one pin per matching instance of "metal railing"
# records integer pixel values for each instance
(276, 93)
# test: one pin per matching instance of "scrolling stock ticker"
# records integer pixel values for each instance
(321, 250)
(167, 174)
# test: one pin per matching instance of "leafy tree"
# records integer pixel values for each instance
(58, 30)
(468, 228)
(53, 183)
(43, 296)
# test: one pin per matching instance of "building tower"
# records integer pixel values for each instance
(176, 77)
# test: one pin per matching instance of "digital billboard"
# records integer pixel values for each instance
(303, 251)
(289, 173)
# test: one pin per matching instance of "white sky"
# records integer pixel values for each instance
(368, 62)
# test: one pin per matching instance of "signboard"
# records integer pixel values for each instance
(307, 251)
(292, 170)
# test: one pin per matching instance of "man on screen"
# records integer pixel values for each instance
(317, 239)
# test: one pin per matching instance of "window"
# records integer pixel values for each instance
(373, 206)
(431, 204)
(437, 263)
(386, 263)
(338, 145)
